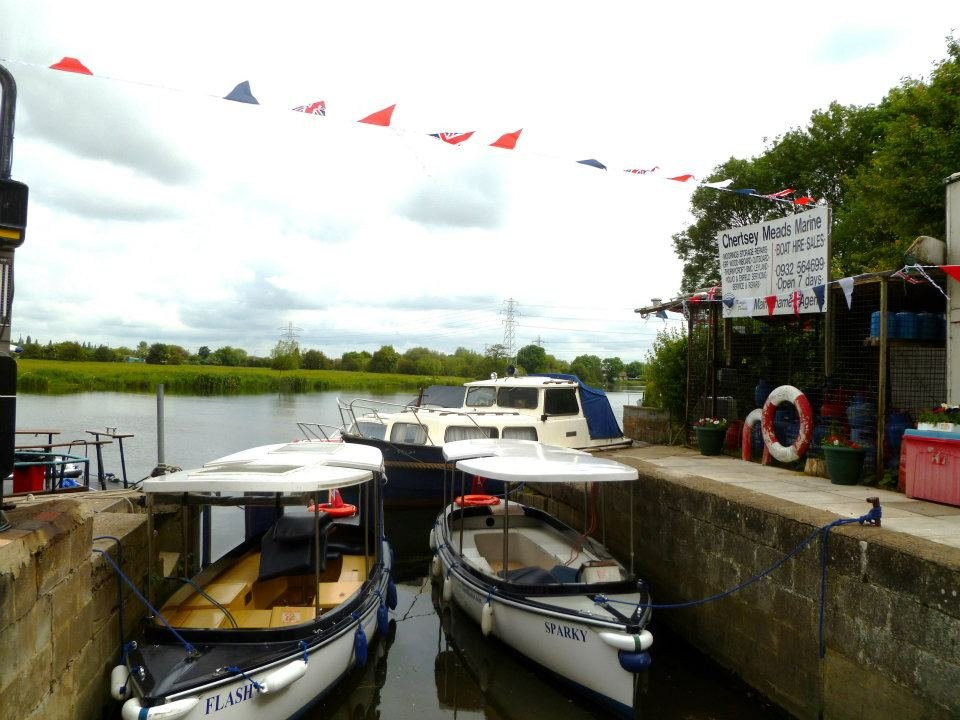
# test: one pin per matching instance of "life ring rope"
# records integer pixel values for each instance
(790, 394)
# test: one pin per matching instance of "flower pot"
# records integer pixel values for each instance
(710, 440)
(844, 464)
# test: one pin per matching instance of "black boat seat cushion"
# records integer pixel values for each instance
(287, 548)
(531, 576)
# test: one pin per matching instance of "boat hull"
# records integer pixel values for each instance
(564, 644)
(237, 698)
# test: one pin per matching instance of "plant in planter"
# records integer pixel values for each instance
(844, 459)
(945, 417)
(710, 433)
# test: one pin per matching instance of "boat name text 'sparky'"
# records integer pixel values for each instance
(565, 632)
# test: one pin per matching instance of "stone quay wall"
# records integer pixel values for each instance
(59, 605)
(892, 613)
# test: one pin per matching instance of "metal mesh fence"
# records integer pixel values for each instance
(867, 376)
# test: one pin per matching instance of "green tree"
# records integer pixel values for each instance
(157, 354)
(104, 354)
(228, 356)
(70, 350)
(384, 360)
(532, 358)
(612, 369)
(667, 373)
(285, 355)
(203, 353)
(636, 369)
(355, 361)
(142, 349)
(420, 361)
(588, 368)
(315, 360)
(176, 355)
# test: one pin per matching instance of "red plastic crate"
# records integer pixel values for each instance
(930, 465)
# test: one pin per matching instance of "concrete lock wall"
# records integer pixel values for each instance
(59, 608)
(892, 614)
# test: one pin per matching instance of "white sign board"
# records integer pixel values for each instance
(776, 257)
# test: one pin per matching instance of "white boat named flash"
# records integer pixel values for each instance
(560, 599)
(270, 627)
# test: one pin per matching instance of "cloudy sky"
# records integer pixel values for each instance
(161, 212)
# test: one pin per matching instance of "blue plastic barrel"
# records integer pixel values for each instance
(906, 326)
(926, 326)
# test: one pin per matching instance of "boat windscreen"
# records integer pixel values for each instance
(446, 396)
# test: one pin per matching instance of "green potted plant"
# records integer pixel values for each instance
(844, 459)
(710, 433)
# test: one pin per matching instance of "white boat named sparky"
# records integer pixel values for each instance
(270, 627)
(560, 598)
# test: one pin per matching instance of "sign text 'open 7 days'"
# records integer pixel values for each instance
(776, 257)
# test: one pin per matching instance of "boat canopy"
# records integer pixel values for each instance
(601, 422)
(291, 467)
(530, 461)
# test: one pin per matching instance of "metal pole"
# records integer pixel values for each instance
(8, 111)
(160, 455)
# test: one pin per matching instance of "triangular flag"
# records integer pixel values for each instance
(745, 191)
(694, 300)
(720, 185)
(643, 171)
(452, 138)
(781, 194)
(952, 270)
(315, 108)
(846, 284)
(796, 299)
(729, 301)
(771, 303)
(681, 178)
(69, 64)
(593, 163)
(662, 314)
(712, 292)
(242, 93)
(380, 117)
(507, 141)
(804, 200)
(819, 290)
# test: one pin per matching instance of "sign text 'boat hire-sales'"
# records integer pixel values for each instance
(776, 257)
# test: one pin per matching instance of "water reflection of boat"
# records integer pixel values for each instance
(553, 594)
(556, 409)
(472, 673)
(273, 625)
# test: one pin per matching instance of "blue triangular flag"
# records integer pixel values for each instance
(661, 314)
(818, 290)
(241, 93)
(729, 301)
(745, 191)
(593, 163)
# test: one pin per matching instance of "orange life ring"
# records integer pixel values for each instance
(337, 511)
(472, 500)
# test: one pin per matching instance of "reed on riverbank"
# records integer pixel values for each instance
(54, 376)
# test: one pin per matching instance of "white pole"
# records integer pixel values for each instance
(953, 290)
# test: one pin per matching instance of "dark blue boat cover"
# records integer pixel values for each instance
(601, 422)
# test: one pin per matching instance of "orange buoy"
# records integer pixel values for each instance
(472, 500)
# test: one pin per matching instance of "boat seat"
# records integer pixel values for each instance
(210, 618)
(227, 594)
(287, 548)
(332, 594)
(284, 615)
(252, 618)
(531, 576)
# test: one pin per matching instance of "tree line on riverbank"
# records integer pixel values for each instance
(287, 357)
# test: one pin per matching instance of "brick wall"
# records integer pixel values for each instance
(59, 609)
(892, 610)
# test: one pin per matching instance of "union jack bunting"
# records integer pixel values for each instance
(712, 292)
(908, 278)
(316, 108)
(781, 194)
(452, 138)
(796, 299)
(643, 171)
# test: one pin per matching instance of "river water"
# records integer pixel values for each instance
(434, 663)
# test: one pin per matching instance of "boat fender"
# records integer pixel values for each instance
(486, 618)
(120, 682)
(391, 594)
(383, 619)
(433, 539)
(634, 661)
(360, 645)
(283, 677)
(436, 568)
(790, 394)
(133, 710)
(447, 589)
(628, 643)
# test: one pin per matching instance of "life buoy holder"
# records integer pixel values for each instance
(474, 500)
(790, 394)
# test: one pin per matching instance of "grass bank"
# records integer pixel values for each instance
(53, 376)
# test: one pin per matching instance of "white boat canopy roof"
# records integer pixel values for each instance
(530, 461)
(297, 467)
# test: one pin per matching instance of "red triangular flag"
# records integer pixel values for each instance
(681, 178)
(69, 64)
(952, 270)
(508, 141)
(771, 303)
(381, 117)
(694, 299)
(803, 200)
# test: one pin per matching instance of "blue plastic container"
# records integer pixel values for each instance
(926, 326)
(906, 326)
(896, 423)
(875, 324)
(861, 413)
(762, 391)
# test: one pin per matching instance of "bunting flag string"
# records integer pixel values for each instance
(315, 108)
